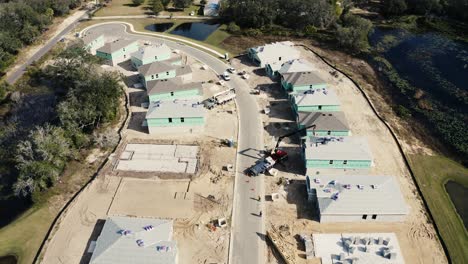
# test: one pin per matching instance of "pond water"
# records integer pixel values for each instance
(8, 260)
(161, 27)
(195, 30)
(429, 61)
(459, 195)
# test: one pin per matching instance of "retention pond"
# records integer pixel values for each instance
(459, 196)
(195, 30)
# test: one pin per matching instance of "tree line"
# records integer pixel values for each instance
(456, 9)
(85, 100)
(23, 21)
(303, 17)
(158, 6)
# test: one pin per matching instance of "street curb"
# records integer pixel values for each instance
(234, 200)
(133, 31)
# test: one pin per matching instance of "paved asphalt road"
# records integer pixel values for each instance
(18, 72)
(248, 244)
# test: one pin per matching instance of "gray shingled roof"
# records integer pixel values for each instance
(112, 247)
(324, 120)
(377, 195)
(170, 85)
(155, 67)
(337, 148)
(176, 108)
(302, 78)
(115, 45)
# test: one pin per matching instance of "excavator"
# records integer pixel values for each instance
(275, 156)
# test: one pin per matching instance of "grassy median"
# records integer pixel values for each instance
(432, 172)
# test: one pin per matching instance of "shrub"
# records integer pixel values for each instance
(233, 28)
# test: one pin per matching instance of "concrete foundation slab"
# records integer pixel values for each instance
(159, 158)
(331, 248)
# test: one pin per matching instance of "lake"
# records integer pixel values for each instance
(459, 196)
(195, 30)
(161, 27)
(429, 61)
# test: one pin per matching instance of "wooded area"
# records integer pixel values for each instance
(22, 22)
(81, 99)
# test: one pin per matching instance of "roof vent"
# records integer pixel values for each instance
(360, 187)
(125, 232)
(140, 243)
(148, 228)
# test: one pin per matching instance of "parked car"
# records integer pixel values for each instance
(231, 70)
(226, 76)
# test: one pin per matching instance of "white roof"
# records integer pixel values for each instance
(113, 247)
(176, 108)
(322, 96)
(151, 51)
(269, 53)
(89, 37)
(337, 148)
(299, 65)
(340, 195)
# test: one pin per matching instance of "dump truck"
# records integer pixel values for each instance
(275, 156)
(220, 98)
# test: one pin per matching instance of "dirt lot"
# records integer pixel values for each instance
(417, 237)
(193, 202)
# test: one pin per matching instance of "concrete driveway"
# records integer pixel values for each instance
(248, 229)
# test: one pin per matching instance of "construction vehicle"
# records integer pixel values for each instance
(220, 98)
(275, 156)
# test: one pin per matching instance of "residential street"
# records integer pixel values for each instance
(14, 74)
(248, 241)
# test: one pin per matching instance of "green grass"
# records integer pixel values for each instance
(217, 37)
(124, 8)
(23, 236)
(432, 172)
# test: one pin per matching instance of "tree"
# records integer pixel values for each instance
(165, 3)
(203, 2)
(106, 139)
(4, 87)
(250, 13)
(182, 3)
(40, 159)
(157, 6)
(393, 7)
(354, 32)
(137, 2)
(457, 9)
(233, 28)
(424, 7)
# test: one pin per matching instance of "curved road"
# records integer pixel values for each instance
(247, 228)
